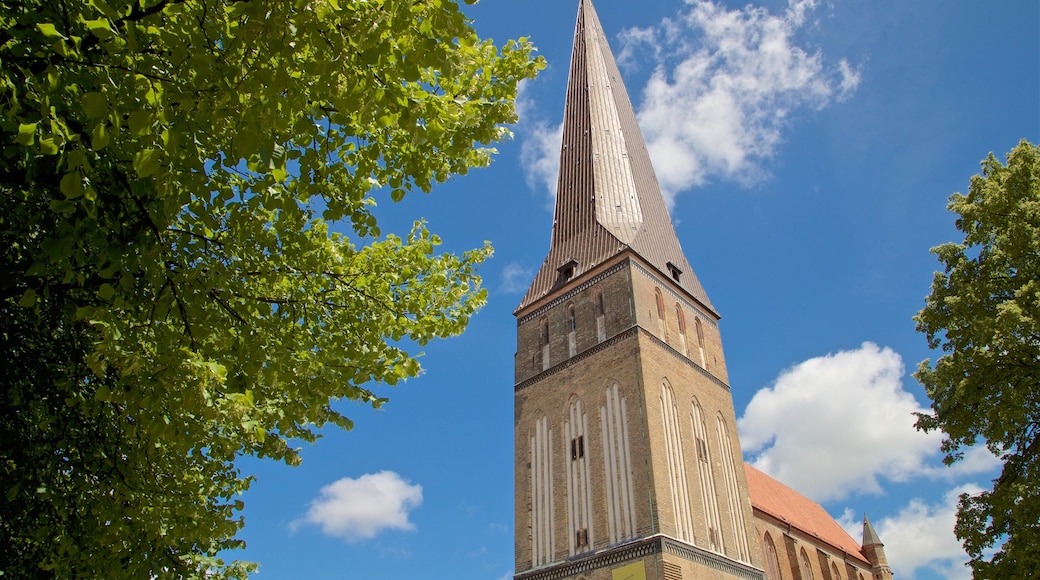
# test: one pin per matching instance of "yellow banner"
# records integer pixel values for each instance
(636, 571)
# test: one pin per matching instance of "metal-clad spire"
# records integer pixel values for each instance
(607, 196)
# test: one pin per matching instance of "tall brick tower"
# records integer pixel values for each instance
(627, 460)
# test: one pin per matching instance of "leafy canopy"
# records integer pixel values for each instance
(984, 313)
(172, 294)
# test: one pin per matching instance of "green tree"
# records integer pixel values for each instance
(984, 313)
(171, 294)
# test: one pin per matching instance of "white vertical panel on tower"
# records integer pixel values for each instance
(543, 529)
(588, 489)
(617, 202)
(676, 466)
(733, 491)
(709, 495)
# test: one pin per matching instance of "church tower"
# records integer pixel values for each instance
(627, 460)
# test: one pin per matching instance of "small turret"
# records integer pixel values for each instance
(874, 551)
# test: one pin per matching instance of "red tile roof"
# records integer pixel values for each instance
(783, 503)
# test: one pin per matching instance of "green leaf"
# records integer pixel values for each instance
(146, 162)
(100, 137)
(28, 299)
(26, 133)
(106, 291)
(48, 30)
(50, 144)
(72, 185)
(94, 104)
(100, 28)
(140, 123)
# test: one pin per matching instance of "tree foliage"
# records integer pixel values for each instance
(984, 313)
(172, 294)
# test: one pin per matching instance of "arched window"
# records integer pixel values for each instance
(676, 465)
(543, 528)
(659, 298)
(772, 562)
(700, 341)
(835, 573)
(709, 496)
(806, 567)
(620, 496)
(579, 494)
(572, 325)
(682, 327)
(543, 338)
(601, 311)
(736, 505)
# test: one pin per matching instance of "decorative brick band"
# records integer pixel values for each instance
(629, 332)
(708, 318)
(656, 544)
(682, 358)
(573, 291)
(710, 559)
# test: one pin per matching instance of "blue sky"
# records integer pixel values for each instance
(808, 150)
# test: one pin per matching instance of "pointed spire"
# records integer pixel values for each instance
(607, 196)
(874, 551)
(870, 537)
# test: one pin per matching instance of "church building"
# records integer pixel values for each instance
(628, 462)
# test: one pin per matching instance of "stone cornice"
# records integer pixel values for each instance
(657, 544)
(628, 332)
(571, 293)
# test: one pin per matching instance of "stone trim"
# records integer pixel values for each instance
(711, 559)
(707, 316)
(571, 293)
(656, 544)
(631, 331)
(683, 358)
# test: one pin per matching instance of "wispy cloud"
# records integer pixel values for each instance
(359, 509)
(832, 425)
(724, 87)
(515, 278)
(540, 155)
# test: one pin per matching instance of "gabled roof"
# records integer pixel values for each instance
(607, 196)
(783, 503)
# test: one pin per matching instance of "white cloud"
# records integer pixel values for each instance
(540, 155)
(976, 460)
(359, 509)
(830, 426)
(515, 278)
(921, 535)
(724, 85)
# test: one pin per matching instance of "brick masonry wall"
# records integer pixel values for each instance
(639, 362)
(821, 556)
